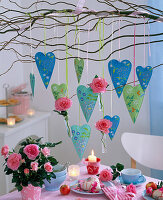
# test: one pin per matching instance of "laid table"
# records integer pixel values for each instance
(46, 195)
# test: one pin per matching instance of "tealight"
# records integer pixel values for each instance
(10, 122)
(30, 112)
(73, 172)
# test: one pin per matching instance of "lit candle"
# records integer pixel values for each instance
(10, 122)
(92, 157)
(73, 172)
(30, 112)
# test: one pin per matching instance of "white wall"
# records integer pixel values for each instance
(44, 100)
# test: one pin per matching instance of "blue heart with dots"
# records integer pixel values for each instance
(45, 65)
(144, 76)
(87, 100)
(115, 123)
(80, 137)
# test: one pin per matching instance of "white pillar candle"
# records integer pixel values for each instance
(10, 122)
(92, 157)
(73, 172)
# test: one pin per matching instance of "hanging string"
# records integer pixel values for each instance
(103, 25)
(144, 45)
(31, 42)
(149, 39)
(111, 95)
(44, 36)
(66, 30)
(119, 40)
(87, 62)
(57, 53)
(134, 51)
(78, 59)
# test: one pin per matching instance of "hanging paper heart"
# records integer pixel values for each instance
(58, 90)
(80, 137)
(32, 82)
(119, 72)
(133, 97)
(144, 75)
(115, 123)
(87, 100)
(79, 66)
(45, 65)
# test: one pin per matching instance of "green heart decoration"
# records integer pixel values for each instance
(133, 97)
(79, 66)
(80, 137)
(58, 90)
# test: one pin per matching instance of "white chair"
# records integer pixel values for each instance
(144, 149)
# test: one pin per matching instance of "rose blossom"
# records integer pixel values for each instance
(48, 167)
(32, 151)
(103, 125)
(131, 188)
(34, 166)
(5, 151)
(149, 191)
(26, 171)
(105, 175)
(46, 151)
(98, 85)
(63, 104)
(13, 161)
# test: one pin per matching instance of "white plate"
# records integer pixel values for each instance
(136, 184)
(146, 197)
(84, 192)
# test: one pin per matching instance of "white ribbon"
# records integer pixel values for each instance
(79, 7)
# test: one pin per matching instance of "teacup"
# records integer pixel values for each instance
(131, 176)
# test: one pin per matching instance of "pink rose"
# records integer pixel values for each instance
(26, 171)
(46, 151)
(105, 175)
(98, 85)
(5, 151)
(131, 188)
(13, 161)
(34, 166)
(103, 125)
(149, 191)
(32, 151)
(48, 167)
(63, 104)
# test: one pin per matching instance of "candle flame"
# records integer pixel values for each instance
(92, 152)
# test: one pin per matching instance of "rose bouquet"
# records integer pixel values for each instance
(31, 165)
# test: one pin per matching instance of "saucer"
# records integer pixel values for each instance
(136, 184)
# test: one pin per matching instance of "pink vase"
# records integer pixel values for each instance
(31, 192)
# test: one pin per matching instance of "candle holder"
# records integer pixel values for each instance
(10, 122)
(30, 112)
(73, 172)
(93, 167)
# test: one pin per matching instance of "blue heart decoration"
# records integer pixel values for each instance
(45, 65)
(80, 137)
(32, 82)
(115, 123)
(119, 72)
(87, 100)
(144, 75)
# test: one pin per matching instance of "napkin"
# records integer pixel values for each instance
(114, 193)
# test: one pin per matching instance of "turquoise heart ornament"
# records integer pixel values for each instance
(115, 123)
(87, 100)
(80, 137)
(119, 72)
(144, 76)
(45, 65)
(32, 83)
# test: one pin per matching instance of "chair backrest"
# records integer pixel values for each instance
(144, 149)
